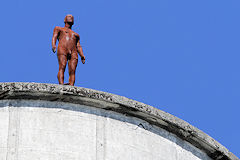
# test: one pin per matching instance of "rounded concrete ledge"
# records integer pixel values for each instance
(12, 92)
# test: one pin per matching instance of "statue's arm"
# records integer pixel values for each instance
(80, 50)
(54, 38)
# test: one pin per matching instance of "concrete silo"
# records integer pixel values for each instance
(55, 122)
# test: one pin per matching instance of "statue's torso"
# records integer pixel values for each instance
(67, 40)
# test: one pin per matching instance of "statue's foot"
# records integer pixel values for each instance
(66, 83)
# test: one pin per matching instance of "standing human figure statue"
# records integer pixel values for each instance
(68, 49)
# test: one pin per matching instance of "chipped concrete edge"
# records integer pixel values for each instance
(108, 101)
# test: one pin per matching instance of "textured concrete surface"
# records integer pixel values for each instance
(170, 135)
(49, 130)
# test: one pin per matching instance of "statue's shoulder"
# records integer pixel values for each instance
(76, 34)
(58, 28)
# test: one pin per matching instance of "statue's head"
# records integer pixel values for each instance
(69, 19)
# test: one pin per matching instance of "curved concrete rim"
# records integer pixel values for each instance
(108, 101)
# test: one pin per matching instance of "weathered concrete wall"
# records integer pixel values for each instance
(45, 121)
(48, 131)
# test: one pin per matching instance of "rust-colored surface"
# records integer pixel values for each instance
(67, 50)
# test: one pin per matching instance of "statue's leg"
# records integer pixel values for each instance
(62, 61)
(72, 65)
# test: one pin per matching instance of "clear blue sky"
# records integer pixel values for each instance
(182, 57)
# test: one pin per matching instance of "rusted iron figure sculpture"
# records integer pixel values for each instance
(68, 49)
